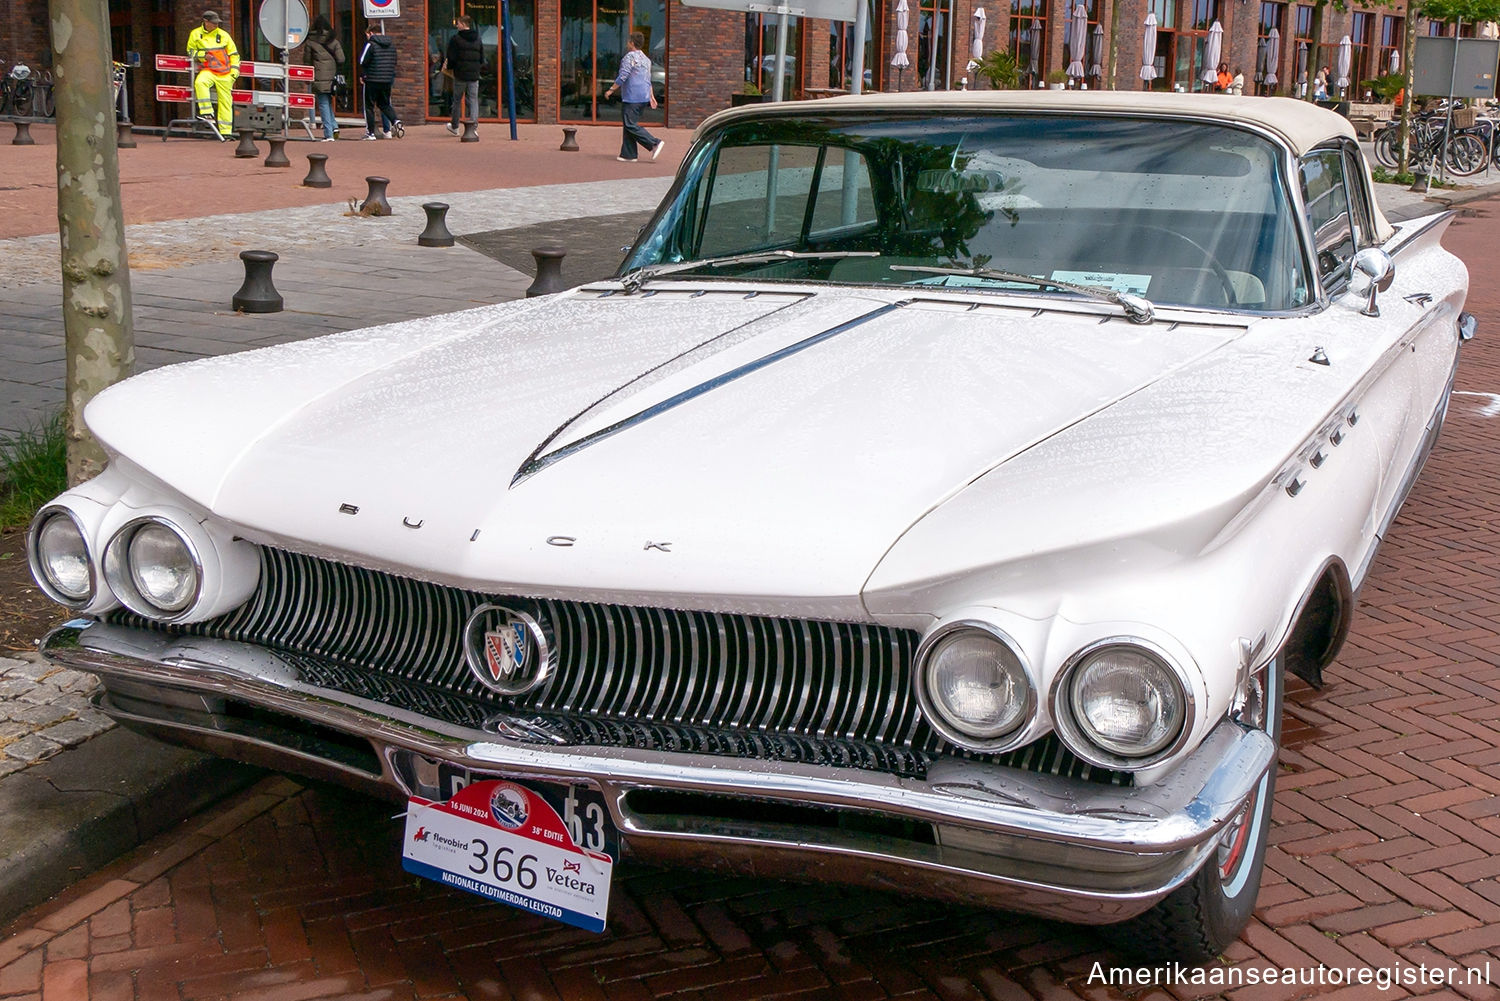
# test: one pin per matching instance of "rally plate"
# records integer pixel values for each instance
(545, 849)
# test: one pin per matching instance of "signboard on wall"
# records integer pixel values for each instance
(828, 10)
(382, 8)
(1435, 75)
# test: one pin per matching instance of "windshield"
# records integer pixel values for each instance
(1178, 212)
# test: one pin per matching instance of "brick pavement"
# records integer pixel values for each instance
(1385, 848)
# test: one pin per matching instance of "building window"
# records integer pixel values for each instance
(1191, 41)
(1392, 41)
(934, 21)
(841, 50)
(486, 14)
(1362, 64)
(1272, 16)
(1091, 18)
(1026, 38)
(760, 53)
(592, 41)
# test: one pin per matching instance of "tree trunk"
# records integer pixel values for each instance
(100, 340)
(1403, 135)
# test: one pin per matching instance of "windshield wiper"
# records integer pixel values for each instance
(1138, 309)
(635, 279)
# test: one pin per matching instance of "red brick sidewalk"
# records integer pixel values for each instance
(187, 178)
(1385, 852)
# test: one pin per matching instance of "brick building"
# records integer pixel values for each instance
(566, 52)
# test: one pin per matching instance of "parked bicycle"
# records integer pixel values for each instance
(1466, 153)
(16, 91)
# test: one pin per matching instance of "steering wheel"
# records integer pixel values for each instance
(1208, 258)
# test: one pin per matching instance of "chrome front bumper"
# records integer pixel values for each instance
(975, 833)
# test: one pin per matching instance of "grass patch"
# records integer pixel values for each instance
(33, 469)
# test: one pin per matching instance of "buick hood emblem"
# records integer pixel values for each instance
(509, 650)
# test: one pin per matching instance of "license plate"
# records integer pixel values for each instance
(543, 848)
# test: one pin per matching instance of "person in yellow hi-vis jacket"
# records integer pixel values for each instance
(214, 51)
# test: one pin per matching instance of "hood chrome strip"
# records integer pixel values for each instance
(537, 462)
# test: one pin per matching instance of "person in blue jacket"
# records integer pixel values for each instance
(636, 94)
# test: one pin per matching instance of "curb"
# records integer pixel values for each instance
(71, 814)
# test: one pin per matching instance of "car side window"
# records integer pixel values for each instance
(1359, 201)
(1326, 195)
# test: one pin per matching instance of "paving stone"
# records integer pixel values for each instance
(31, 749)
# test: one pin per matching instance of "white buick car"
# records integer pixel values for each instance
(935, 501)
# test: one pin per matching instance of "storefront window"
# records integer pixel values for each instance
(1166, 44)
(487, 16)
(935, 20)
(593, 40)
(760, 54)
(1392, 39)
(1272, 16)
(841, 50)
(1027, 39)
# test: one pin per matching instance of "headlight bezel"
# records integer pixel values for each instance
(1075, 734)
(119, 572)
(34, 559)
(923, 662)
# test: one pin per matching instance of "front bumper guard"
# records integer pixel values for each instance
(1021, 841)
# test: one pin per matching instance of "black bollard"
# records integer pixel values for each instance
(124, 137)
(257, 295)
(317, 172)
(471, 132)
(277, 156)
(436, 234)
(549, 277)
(23, 134)
(247, 147)
(570, 139)
(375, 203)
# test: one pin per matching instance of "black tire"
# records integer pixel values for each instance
(1199, 919)
(1386, 148)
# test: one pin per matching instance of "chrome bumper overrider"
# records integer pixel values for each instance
(982, 834)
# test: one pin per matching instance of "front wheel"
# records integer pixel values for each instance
(1199, 919)
(1467, 155)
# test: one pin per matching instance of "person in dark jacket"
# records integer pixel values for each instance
(327, 54)
(465, 59)
(377, 64)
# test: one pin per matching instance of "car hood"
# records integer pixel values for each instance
(692, 441)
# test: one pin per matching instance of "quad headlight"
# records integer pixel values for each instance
(151, 566)
(1120, 703)
(165, 564)
(973, 685)
(59, 556)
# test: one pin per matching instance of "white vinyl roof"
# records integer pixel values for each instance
(1301, 124)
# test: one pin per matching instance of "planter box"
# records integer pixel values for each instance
(735, 100)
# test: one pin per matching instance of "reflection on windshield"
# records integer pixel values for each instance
(1177, 212)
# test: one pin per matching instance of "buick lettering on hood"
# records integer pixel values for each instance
(938, 499)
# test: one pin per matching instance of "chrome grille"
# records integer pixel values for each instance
(754, 686)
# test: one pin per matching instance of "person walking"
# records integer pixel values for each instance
(377, 66)
(214, 52)
(465, 60)
(636, 94)
(327, 55)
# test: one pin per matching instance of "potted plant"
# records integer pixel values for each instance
(749, 94)
(1056, 79)
(1000, 69)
